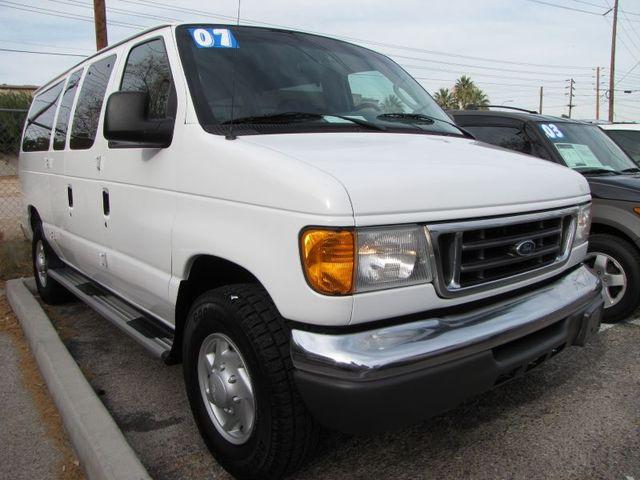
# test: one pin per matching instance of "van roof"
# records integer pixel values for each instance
(99, 52)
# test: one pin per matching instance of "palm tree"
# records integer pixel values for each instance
(466, 93)
(392, 104)
(445, 99)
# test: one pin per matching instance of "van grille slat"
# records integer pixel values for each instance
(471, 254)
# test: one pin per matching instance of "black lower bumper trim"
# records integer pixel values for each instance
(367, 406)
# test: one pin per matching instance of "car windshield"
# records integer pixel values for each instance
(629, 141)
(586, 148)
(259, 80)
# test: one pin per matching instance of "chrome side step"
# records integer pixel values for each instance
(157, 338)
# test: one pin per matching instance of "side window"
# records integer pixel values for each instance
(37, 135)
(62, 124)
(512, 138)
(87, 114)
(147, 70)
(628, 140)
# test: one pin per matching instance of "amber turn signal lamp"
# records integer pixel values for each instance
(637, 210)
(328, 260)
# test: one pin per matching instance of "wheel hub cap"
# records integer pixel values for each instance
(226, 388)
(612, 276)
(41, 263)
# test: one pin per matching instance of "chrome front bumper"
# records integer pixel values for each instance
(400, 349)
(352, 381)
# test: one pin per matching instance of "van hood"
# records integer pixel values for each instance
(395, 173)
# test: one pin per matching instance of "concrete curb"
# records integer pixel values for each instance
(100, 445)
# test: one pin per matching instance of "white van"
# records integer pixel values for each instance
(294, 219)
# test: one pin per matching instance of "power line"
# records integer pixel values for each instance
(166, 6)
(602, 6)
(564, 7)
(61, 54)
(53, 13)
(422, 59)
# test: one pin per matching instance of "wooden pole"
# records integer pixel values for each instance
(100, 19)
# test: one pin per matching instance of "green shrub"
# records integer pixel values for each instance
(11, 121)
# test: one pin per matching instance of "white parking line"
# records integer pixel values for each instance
(635, 321)
(606, 326)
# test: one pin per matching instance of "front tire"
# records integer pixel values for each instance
(45, 259)
(239, 380)
(617, 263)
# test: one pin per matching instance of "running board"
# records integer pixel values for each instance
(156, 337)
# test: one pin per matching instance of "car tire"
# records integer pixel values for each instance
(282, 434)
(44, 259)
(617, 264)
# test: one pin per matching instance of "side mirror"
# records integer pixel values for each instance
(126, 124)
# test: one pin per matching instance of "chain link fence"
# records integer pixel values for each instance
(11, 122)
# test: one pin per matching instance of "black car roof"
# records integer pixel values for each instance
(516, 115)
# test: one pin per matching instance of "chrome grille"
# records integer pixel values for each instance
(481, 253)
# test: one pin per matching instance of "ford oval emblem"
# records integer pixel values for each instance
(525, 248)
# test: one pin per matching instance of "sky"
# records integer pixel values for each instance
(508, 47)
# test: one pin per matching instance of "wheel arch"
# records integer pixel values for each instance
(34, 218)
(203, 273)
(615, 230)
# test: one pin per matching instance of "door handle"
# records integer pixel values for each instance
(106, 207)
(70, 196)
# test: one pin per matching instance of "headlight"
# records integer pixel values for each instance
(344, 261)
(391, 257)
(583, 225)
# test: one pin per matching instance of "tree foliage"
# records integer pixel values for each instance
(463, 94)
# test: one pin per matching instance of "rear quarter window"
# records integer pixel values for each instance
(87, 114)
(62, 124)
(37, 134)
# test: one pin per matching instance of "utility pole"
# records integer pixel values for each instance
(597, 93)
(571, 105)
(541, 95)
(612, 70)
(100, 19)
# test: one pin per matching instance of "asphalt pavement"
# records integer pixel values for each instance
(577, 416)
(33, 443)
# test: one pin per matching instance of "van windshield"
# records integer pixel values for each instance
(587, 149)
(260, 80)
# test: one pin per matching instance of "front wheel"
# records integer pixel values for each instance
(239, 380)
(45, 259)
(617, 263)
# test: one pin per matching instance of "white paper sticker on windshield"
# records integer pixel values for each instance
(578, 156)
(551, 130)
(213, 38)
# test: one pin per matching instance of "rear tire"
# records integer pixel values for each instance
(280, 434)
(617, 264)
(45, 259)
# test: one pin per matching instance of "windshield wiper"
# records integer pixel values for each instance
(359, 121)
(285, 117)
(292, 117)
(416, 118)
(420, 119)
(631, 170)
(597, 171)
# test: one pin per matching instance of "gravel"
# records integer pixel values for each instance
(575, 417)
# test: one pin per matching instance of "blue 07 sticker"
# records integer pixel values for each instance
(213, 38)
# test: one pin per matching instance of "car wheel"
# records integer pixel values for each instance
(239, 380)
(617, 263)
(45, 259)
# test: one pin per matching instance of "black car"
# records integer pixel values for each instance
(614, 245)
